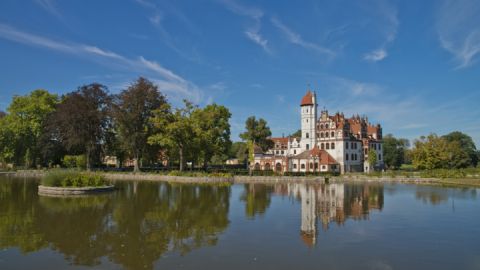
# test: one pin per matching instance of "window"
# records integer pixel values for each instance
(379, 156)
(306, 135)
(323, 167)
(311, 165)
(307, 120)
(352, 146)
(283, 152)
(321, 126)
(332, 146)
(294, 166)
(316, 165)
(346, 145)
(326, 125)
(276, 152)
(294, 152)
(326, 134)
(332, 134)
(308, 146)
(322, 146)
(352, 158)
(303, 166)
(307, 110)
(327, 145)
(321, 134)
(346, 157)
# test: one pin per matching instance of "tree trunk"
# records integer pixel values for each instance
(180, 154)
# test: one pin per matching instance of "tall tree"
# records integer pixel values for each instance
(258, 132)
(394, 151)
(133, 108)
(372, 158)
(81, 120)
(212, 129)
(175, 130)
(465, 144)
(25, 121)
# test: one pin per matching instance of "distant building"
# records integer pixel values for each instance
(329, 143)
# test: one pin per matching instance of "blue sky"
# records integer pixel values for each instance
(410, 65)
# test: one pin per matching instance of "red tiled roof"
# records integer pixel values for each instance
(324, 157)
(307, 99)
(280, 140)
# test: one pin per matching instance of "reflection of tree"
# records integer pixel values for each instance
(17, 216)
(257, 198)
(132, 229)
(360, 199)
(175, 217)
(434, 195)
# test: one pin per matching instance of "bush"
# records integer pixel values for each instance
(68, 178)
(74, 161)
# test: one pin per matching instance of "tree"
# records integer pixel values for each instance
(81, 120)
(372, 158)
(239, 150)
(24, 123)
(297, 134)
(465, 144)
(2, 114)
(133, 109)
(212, 129)
(433, 152)
(175, 130)
(394, 151)
(257, 132)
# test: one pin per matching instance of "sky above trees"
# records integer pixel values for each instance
(410, 65)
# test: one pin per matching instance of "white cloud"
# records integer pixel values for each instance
(252, 33)
(296, 39)
(238, 9)
(50, 6)
(376, 55)
(386, 17)
(458, 27)
(167, 80)
(255, 36)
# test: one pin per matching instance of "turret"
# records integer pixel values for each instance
(308, 111)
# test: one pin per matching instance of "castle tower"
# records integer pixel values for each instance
(308, 111)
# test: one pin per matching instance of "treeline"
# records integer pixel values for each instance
(41, 128)
(455, 150)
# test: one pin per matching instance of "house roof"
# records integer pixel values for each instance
(307, 99)
(324, 157)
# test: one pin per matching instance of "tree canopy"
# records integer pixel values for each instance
(394, 151)
(258, 132)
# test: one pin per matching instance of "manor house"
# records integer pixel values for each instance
(329, 143)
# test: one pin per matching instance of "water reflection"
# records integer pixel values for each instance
(133, 227)
(326, 203)
(439, 196)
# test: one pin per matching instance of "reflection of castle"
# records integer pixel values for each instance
(333, 203)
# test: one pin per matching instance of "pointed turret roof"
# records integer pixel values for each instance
(307, 99)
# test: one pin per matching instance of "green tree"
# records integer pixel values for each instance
(81, 120)
(372, 158)
(175, 130)
(24, 123)
(297, 134)
(239, 150)
(212, 129)
(466, 145)
(433, 152)
(133, 109)
(394, 151)
(258, 132)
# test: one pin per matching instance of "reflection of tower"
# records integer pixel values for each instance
(330, 204)
(308, 228)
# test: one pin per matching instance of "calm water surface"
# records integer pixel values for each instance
(289, 226)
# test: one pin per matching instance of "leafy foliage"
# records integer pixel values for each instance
(67, 178)
(133, 109)
(258, 132)
(394, 151)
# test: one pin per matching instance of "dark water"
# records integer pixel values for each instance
(289, 226)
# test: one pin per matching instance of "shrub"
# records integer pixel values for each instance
(69, 178)
(74, 161)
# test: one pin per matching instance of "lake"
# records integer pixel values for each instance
(155, 225)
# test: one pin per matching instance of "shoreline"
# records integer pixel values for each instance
(240, 179)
